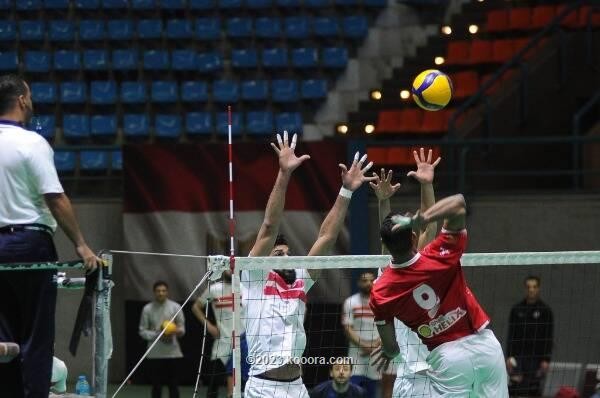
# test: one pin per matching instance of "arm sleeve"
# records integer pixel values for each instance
(42, 170)
(448, 247)
(145, 330)
(381, 310)
(511, 333)
(347, 315)
(549, 334)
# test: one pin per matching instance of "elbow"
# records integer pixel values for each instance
(461, 204)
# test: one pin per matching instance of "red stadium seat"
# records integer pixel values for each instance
(502, 50)
(458, 53)
(480, 52)
(435, 122)
(519, 18)
(569, 21)
(541, 16)
(464, 84)
(497, 21)
(584, 16)
(400, 156)
(378, 155)
(388, 121)
(411, 121)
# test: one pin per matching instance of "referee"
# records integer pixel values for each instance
(32, 201)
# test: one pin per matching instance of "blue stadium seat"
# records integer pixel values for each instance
(289, 121)
(288, 3)
(87, 4)
(31, 30)
(136, 125)
(208, 28)
(209, 62)
(95, 59)
(317, 3)
(76, 126)
(296, 27)
(64, 161)
(314, 89)
(192, 91)
(255, 90)
(156, 60)
(117, 160)
(267, 27)
(325, 27)
(45, 125)
(149, 28)
(179, 29)
(334, 57)
(73, 92)
(9, 61)
(275, 58)
(43, 93)
(198, 123)
(25, 5)
(167, 126)
(202, 4)
(346, 3)
(184, 60)
(244, 58)
(258, 4)
(239, 27)
(61, 31)
(259, 123)
(6, 4)
(56, 4)
(91, 29)
(172, 4)
(103, 92)
(104, 126)
(142, 4)
(304, 57)
(356, 26)
(115, 4)
(375, 3)
(230, 4)
(284, 90)
(37, 61)
(124, 59)
(67, 60)
(120, 29)
(223, 122)
(226, 91)
(93, 160)
(8, 31)
(164, 91)
(133, 92)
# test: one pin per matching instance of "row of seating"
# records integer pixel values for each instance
(396, 156)
(149, 5)
(66, 161)
(77, 127)
(411, 120)
(476, 52)
(136, 92)
(205, 28)
(535, 18)
(177, 60)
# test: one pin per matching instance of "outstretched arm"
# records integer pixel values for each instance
(452, 210)
(288, 162)
(384, 190)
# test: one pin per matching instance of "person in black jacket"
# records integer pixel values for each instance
(530, 335)
(339, 386)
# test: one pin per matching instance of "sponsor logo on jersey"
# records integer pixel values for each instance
(441, 323)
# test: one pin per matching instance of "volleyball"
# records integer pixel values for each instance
(169, 327)
(432, 90)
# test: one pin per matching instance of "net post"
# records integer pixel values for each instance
(102, 326)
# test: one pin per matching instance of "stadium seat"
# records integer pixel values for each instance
(61, 31)
(377, 155)
(136, 125)
(458, 52)
(388, 121)
(87, 4)
(172, 4)
(91, 29)
(259, 123)
(284, 90)
(31, 30)
(288, 3)
(289, 121)
(225, 91)
(375, 3)
(184, 60)
(198, 123)
(45, 125)
(142, 4)
(355, 27)
(9, 61)
(76, 126)
(346, 3)
(239, 27)
(334, 57)
(133, 92)
(275, 58)
(326, 27)
(124, 59)
(410, 121)
(305, 58)
(103, 126)
(317, 3)
(296, 27)
(43, 93)
(497, 20)
(93, 160)
(167, 126)
(480, 52)
(244, 58)
(73, 92)
(314, 89)
(542, 16)
(8, 31)
(209, 62)
(223, 122)
(400, 156)
(120, 29)
(67, 60)
(258, 4)
(202, 4)
(464, 84)
(95, 59)
(267, 28)
(193, 91)
(255, 90)
(64, 161)
(164, 91)
(6, 4)
(103, 92)
(37, 61)
(149, 29)
(208, 28)
(435, 122)
(56, 4)
(31, 5)
(156, 60)
(116, 161)
(115, 4)
(179, 29)
(502, 50)
(519, 18)
(229, 4)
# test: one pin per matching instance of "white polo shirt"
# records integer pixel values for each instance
(27, 172)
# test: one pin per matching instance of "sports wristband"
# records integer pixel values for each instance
(346, 193)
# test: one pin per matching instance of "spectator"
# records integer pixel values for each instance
(339, 386)
(529, 348)
(163, 360)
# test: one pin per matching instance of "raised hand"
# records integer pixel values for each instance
(382, 186)
(353, 178)
(288, 161)
(425, 169)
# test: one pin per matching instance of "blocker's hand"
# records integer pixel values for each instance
(425, 168)
(288, 161)
(353, 178)
(382, 186)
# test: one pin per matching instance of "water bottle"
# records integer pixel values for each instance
(82, 387)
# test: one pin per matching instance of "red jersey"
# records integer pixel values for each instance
(429, 293)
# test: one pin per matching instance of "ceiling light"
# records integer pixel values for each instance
(342, 128)
(404, 94)
(376, 95)
(447, 30)
(369, 128)
(439, 60)
(473, 29)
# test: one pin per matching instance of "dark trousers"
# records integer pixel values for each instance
(164, 371)
(27, 304)
(217, 377)
(531, 385)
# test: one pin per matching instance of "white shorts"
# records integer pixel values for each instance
(413, 385)
(472, 366)
(259, 388)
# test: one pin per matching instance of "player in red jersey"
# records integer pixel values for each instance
(427, 291)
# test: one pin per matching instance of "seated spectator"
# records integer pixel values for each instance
(339, 386)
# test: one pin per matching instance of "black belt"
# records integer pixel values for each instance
(260, 376)
(26, 227)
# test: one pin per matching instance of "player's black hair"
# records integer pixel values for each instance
(533, 278)
(399, 241)
(280, 240)
(369, 271)
(159, 283)
(11, 88)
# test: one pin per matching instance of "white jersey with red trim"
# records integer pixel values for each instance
(358, 315)
(274, 318)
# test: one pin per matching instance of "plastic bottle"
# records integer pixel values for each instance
(82, 387)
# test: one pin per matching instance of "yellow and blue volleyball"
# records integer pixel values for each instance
(432, 90)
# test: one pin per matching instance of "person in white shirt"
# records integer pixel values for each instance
(32, 204)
